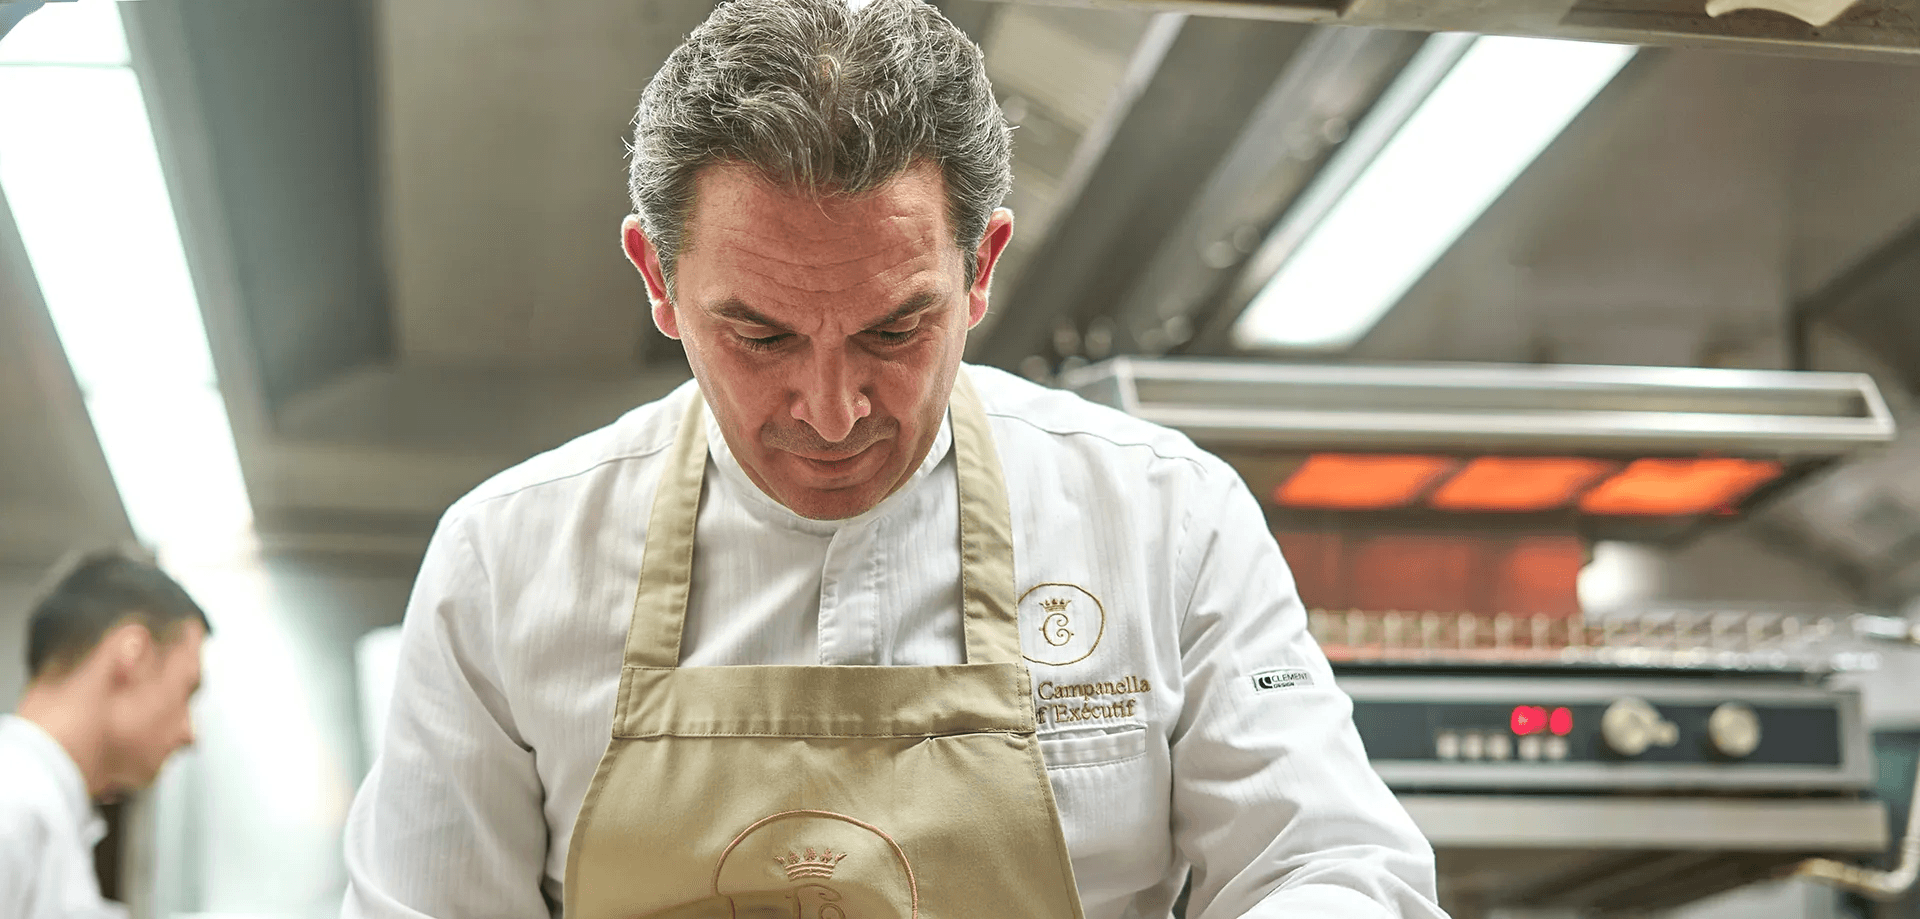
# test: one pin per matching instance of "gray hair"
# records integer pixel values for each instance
(822, 98)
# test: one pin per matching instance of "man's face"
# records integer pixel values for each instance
(825, 331)
(151, 714)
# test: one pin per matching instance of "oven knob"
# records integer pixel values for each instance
(1632, 725)
(1734, 730)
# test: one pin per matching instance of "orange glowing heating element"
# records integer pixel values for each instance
(1674, 487)
(1360, 482)
(1518, 483)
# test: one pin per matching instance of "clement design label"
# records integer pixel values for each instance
(1274, 680)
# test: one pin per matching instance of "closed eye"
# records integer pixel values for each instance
(766, 343)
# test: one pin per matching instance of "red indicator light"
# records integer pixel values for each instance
(1528, 719)
(1561, 723)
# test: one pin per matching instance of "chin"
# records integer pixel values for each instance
(142, 780)
(831, 505)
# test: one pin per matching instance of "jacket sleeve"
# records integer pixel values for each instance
(449, 822)
(1274, 802)
(23, 844)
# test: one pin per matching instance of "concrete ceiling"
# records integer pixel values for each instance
(502, 129)
(402, 215)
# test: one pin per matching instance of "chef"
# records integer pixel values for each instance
(844, 627)
(113, 657)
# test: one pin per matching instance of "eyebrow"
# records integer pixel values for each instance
(731, 308)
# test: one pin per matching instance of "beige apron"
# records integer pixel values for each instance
(824, 792)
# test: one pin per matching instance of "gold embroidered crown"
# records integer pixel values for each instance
(811, 865)
(1055, 605)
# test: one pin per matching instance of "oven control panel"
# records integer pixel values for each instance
(1596, 732)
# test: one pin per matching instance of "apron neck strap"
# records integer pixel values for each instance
(666, 566)
(987, 601)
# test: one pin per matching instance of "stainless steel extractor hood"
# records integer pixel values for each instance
(1625, 452)
(1451, 407)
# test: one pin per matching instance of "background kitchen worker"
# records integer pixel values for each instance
(113, 658)
(816, 196)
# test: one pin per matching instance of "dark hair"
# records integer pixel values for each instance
(101, 591)
(823, 98)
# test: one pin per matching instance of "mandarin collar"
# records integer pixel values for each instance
(765, 508)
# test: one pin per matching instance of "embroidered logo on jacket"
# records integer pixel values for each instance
(1069, 703)
(1060, 623)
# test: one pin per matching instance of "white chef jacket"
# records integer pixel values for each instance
(1200, 727)
(48, 829)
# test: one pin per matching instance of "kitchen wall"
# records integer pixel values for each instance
(249, 822)
(17, 589)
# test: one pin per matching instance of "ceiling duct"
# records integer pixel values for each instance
(1877, 304)
(1866, 30)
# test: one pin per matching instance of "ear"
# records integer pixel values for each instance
(992, 243)
(127, 647)
(641, 252)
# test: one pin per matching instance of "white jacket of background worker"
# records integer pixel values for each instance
(48, 829)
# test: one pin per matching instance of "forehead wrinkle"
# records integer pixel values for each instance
(807, 263)
(768, 269)
(901, 241)
(790, 253)
(882, 276)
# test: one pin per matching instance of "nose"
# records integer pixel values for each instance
(829, 397)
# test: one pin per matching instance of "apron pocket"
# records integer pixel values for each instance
(1115, 744)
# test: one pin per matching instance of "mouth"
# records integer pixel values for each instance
(833, 460)
(831, 456)
(838, 468)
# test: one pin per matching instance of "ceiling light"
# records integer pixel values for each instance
(1475, 132)
(82, 177)
(70, 33)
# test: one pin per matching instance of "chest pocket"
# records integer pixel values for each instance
(1077, 749)
(1113, 800)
